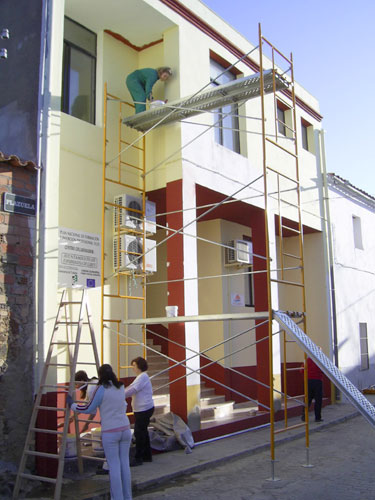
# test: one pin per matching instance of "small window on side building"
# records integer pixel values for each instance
(357, 232)
(307, 133)
(79, 71)
(363, 345)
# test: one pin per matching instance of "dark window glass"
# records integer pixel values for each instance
(281, 120)
(79, 65)
(226, 118)
(305, 142)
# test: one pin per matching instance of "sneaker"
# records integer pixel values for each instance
(319, 420)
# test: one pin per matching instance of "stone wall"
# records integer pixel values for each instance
(17, 317)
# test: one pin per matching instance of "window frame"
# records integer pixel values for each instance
(65, 85)
(364, 353)
(235, 128)
(357, 232)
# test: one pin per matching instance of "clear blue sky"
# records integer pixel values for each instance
(333, 46)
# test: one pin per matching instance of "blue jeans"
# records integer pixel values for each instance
(116, 448)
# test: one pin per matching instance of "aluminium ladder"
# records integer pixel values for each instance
(72, 346)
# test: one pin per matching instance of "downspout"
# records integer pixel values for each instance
(328, 231)
(41, 155)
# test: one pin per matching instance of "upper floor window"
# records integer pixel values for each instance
(79, 65)
(226, 118)
(357, 232)
(281, 123)
(307, 132)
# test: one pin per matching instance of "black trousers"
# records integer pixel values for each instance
(315, 388)
(142, 440)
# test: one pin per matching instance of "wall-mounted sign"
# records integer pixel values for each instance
(237, 299)
(16, 204)
(79, 259)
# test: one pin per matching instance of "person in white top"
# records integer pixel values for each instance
(86, 387)
(143, 406)
(109, 397)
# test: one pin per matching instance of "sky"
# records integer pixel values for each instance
(333, 46)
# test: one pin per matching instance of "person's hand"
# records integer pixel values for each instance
(69, 400)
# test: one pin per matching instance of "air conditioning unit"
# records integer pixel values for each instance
(128, 250)
(241, 252)
(127, 218)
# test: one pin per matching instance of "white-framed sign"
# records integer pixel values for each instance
(79, 259)
(237, 299)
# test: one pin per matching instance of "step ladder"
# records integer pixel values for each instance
(66, 322)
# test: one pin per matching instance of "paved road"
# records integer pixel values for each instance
(344, 469)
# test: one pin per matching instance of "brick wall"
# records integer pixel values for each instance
(17, 318)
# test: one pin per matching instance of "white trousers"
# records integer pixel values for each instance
(116, 448)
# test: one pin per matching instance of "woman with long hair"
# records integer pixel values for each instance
(109, 397)
(143, 406)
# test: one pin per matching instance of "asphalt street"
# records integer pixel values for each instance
(344, 462)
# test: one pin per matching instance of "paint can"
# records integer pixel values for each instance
(171, 311)
(71, 446)
(96, 440)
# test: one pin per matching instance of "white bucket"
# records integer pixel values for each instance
(156, 104)
(171, 311)
(71, 446)
(96, 439)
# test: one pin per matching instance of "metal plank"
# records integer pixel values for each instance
(241, 89)
(200, 317)
(357, 399)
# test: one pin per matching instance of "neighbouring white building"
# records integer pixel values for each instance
(351, 218)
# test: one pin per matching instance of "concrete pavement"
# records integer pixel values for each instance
(168, 466)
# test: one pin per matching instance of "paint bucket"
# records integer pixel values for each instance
(171, 311)
(156, 104)
(96, 440)
(71, 446)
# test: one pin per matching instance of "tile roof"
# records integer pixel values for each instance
(15, 161)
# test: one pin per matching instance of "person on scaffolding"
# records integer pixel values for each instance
(140, 84)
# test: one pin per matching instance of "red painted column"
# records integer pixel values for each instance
(261, 304)
(175, 270)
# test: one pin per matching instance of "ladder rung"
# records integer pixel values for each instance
(296, 426)
(284, 282)
(42, 454)
(129, 343)
(70, 343)
(51, 386)
(292, 255)
(89, 421)
(46, 431)
(132, 297)
(51, 408)
(72, 322)
(65, 303)
(38, 478)
(290, 229)
(294, 369)
(281, 147)
(85, 363)
(93, 458)
(59, 364)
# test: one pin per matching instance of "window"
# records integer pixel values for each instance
(363, 345)
(281, 119)
(226, 118)
(307, 132)
(79, 64)
(357, 232)
(249, 282)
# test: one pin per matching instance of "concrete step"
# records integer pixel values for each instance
(220, 410)
(161, 399)
(207, 391)
(161, 409)
(211, 400)
(155, 347)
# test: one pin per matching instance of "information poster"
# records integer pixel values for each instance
(79, 259)
(237, 299)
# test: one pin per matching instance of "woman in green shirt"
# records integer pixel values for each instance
(140, 84)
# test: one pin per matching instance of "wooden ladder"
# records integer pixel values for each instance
(72, 346)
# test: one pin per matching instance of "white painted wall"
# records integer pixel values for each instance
(354, 272)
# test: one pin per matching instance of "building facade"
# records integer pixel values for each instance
(351, 214)
(89, 45)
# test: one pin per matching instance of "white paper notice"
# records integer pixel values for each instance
(79, 259)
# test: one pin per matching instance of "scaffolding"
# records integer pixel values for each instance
(280, 189)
